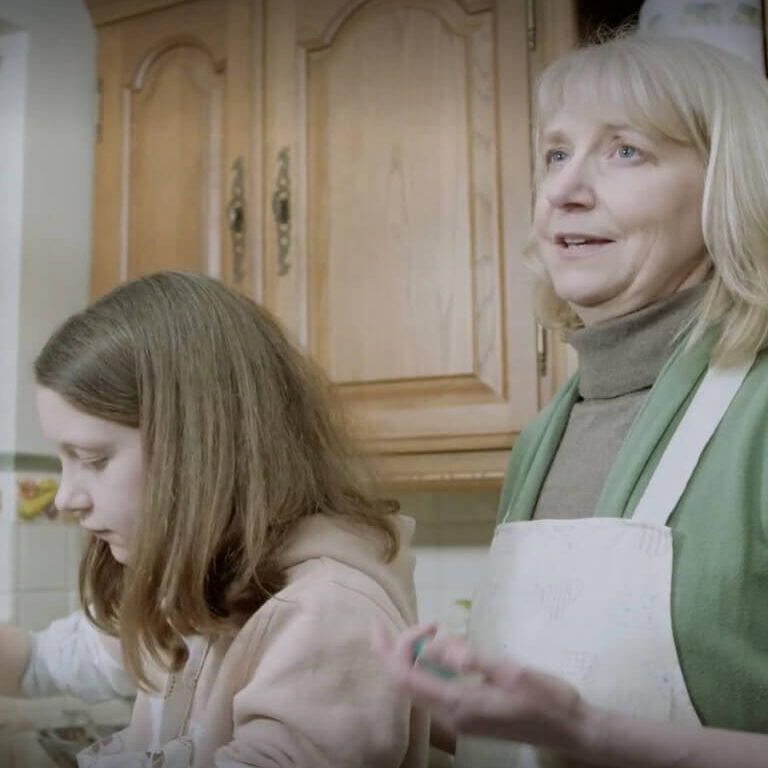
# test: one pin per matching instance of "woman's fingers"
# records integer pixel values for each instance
(491, 696)
(397, 653)
(452, 652)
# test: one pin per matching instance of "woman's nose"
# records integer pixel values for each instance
(571, 187)
(72, 498)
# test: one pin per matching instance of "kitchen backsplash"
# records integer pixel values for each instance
(453, 532)
(39, 554)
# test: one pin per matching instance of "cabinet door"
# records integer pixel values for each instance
(172, 144)
(398, 200)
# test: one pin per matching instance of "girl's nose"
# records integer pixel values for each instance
(72, 499)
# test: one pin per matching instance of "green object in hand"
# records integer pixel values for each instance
(429, 666)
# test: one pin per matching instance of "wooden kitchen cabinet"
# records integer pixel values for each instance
(399, 132)
(379, 153)
(173, 139)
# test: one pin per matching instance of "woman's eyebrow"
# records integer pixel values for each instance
(554, 137)
(620, 127)
(557, 136)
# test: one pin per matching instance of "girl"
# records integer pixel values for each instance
(235, 561)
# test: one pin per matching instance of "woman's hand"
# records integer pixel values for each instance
(488, 697)
(501, 699)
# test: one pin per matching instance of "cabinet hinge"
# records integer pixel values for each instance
(541, 350)
(531, 25)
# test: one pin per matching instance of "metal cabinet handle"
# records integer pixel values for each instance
(236, 219)
(281, 209)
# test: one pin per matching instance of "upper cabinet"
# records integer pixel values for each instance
(397, 173)
(172, 140)
(363, 169)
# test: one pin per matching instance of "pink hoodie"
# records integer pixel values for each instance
(297, 686)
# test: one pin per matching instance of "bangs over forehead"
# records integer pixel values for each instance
(631, 80)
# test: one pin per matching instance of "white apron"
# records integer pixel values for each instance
(588, 600)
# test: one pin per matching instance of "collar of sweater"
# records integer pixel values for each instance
(626, 354)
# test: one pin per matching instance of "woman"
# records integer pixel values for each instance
(624, 604)
(235, 559)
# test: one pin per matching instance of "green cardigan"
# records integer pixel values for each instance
(720, 528)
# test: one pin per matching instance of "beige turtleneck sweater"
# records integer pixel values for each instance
(618, 362)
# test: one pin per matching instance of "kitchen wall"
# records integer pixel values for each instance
(13, 57)
(453, 532)
(47, 86)
(47, 73)
(47, 264)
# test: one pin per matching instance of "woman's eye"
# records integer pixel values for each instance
(627, 152)
(555, 156)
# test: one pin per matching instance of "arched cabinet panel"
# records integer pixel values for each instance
(405, 124)
(173, 142)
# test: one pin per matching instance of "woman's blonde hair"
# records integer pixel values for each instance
(697, 95)
(240, 443)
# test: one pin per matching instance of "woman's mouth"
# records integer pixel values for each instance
(579, 240)
(578, 244)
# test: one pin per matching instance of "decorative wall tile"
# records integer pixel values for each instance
(34, 498)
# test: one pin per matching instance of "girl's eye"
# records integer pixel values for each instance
(98, 462)
(554, 156)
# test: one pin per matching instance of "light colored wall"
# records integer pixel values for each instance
(13, 70)
(55, 197)
(13, 76)
(453, 533)
(47, 86)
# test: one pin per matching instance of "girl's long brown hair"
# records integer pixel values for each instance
(241, 441)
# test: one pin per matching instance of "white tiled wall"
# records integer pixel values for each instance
(453, 532)
(39, 559)
(39, 562)
(46, 571)
(7, 548)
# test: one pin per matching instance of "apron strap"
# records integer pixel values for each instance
(679, 460)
